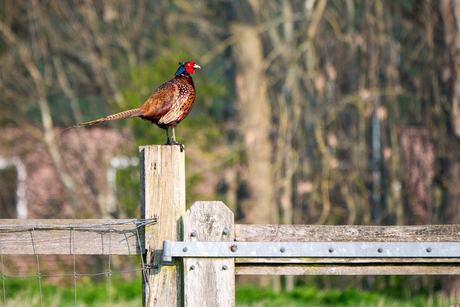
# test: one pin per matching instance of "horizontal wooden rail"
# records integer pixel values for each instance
(71, 236)
(349, 269)
(348, 233)
(347, 266)
(344, 260)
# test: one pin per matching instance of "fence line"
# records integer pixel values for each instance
(204, 281)
(34, 229)
(79, 236)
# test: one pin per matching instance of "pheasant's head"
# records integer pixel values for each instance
(187, 68)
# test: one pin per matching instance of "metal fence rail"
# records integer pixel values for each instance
(309, 249)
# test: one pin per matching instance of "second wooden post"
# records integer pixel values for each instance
(209, 282)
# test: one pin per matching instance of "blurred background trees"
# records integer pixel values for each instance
(315, 111)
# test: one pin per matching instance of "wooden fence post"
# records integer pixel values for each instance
(162, 171)
(209, 281)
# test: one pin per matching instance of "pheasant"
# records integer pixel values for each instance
(168, 105)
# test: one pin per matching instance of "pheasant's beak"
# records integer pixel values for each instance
(196, 66)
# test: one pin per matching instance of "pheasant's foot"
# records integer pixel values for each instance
(169, 142)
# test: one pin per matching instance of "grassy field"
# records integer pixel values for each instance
(25, 292)
(312, 297)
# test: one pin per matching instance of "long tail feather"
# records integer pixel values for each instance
(121, 115)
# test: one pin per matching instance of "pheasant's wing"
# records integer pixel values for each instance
(182, 103)
(161, 101)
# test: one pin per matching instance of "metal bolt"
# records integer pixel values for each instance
(331, 249)
(192, 267)
(225, 232)
(233, 248)
(429, 250)
(224, 267)
(193, 234)
(380, 250)
(282, 249)
(185, 249)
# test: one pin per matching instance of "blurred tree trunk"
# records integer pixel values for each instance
(450, 10)
(451, 284)
(453, 39)
(254, 112)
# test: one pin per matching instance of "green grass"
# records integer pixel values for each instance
(313, 297)
(25, 292)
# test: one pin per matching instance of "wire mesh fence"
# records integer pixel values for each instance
(79, 239)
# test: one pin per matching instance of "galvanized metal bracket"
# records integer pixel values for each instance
(309, 249)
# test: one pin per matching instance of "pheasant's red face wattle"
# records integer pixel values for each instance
(190, 67)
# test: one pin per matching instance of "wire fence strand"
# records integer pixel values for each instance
(144, 271)
(3, 275)
(136, 223)
(23, 227)
(39, 277)
(110, 253)
(74, 270)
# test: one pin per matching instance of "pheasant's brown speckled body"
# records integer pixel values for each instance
(177, 97)
(168, 105)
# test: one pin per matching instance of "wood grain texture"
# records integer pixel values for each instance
(67, 237)
(349, 233)
(348, 269)
(209, 281)
(163, 195)
(282, 261)
(456, 304)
